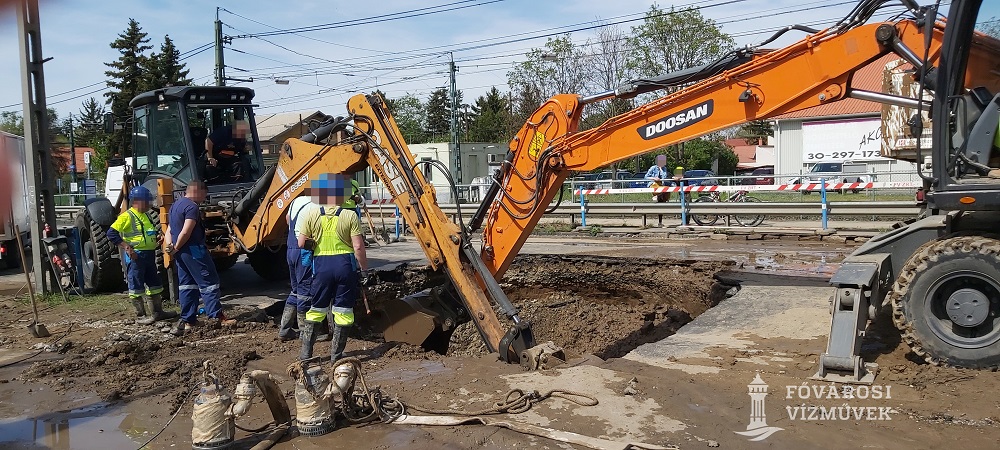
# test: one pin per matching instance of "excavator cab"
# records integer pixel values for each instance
(171, 128)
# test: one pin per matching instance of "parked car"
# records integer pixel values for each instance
(604, 180)
(700, 174)
(763, 175)
(638, 180)
(835, 172)
(585, 181)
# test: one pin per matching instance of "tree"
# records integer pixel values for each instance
(668, 41)
(438, 118)
(165, 68)
(12, 122)
(756, 132)
(607, 65)
(89, 130)
(558, 67)
(410, 115)
(490, 116)
(702, 153)
(126, 78)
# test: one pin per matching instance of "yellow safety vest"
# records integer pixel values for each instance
(136, 229)
(329, 243)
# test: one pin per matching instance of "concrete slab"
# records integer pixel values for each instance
(765, 308)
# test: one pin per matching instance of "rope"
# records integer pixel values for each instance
(179, 408)
(516, 401)
(367, 404)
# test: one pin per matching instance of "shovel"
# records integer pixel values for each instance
(37, 330)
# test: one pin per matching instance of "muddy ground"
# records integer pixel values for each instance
(102, 382)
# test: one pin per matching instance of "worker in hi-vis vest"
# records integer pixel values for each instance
(138, 238)
(340, 266)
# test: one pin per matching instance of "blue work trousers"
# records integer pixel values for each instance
(197, 278)
(141, 274)
(335, 282)
(301, 275)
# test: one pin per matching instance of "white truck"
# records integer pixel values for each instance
(14, 203)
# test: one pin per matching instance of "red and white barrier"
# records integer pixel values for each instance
(754, 187)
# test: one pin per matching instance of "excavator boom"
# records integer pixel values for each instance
(814, 71)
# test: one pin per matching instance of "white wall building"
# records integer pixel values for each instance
(478, 161)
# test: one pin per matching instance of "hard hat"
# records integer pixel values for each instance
(140, 193)
(356, 187)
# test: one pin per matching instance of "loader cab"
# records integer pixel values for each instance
(967, 97)
(170, 127)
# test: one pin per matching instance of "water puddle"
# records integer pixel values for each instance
(94, 426)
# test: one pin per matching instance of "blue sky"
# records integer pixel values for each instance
(395, 56)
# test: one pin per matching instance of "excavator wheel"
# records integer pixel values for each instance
(946, 302)
(270, 264)
(102, 270)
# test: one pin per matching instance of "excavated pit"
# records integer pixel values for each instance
(604, 306)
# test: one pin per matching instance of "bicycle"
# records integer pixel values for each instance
(737, 197)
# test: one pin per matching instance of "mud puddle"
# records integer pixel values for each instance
(99, 425)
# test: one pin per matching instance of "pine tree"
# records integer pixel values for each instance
(438, 115)
(89, 124)
(165, 69)
(490, 115)
(126, 78)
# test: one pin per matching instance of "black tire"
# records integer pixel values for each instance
(102, 268)
(270, 265)
(705, 220)
(226, 262)
(750, 220)
(946, 302)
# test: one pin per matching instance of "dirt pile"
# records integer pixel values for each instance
(129, 359)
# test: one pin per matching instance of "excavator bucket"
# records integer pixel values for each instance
(426, 318)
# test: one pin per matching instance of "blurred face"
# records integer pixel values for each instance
(140, 205)
(241, 129)
(196, 191)
(330, 189)
(661, 160)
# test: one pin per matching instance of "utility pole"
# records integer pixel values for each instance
(37, 154)
(220, 63)
(455, 144)
(73, 187)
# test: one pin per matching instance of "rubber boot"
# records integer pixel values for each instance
(140, 309)
(339, 342)
(323, 330)
(286, 332)
(307, 333)
(154, 306)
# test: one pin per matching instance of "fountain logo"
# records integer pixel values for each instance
(758, 430)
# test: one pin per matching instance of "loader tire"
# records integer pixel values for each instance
(226, 262)
(946, 302)
(270, 264)
(102, 269)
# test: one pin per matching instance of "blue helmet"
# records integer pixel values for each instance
(140, 193)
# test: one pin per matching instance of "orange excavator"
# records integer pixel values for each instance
(951, 62)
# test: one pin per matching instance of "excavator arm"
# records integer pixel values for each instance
(368, 137)
(814, 71)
